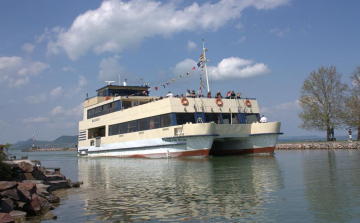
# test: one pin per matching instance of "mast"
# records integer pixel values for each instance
(33, 139)
(204, 60)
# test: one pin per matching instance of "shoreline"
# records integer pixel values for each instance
(318, 145)
(49, 149)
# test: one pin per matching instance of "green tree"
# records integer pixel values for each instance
(5, 169)
(322, 100)
(353, 102)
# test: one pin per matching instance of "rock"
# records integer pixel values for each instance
(34, 207)
(48, 216)
(53, 199)
(33, 181)
(28, 176)
(31, 187)
(6, 218)
(19, 205)
(55, 177)
(77, 184)
(58, 184)
(45, 204)
(6, 185)
(24, 193)
(39, 173)
(26, 167)
(13, 194)
(18, 216)
(6, 205)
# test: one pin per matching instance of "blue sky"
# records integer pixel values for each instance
(52, 53)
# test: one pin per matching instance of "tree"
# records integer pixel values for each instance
(353, 102)
(322, 100)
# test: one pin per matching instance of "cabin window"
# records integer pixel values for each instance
(126, 104)
(90, 113)
(165, 120)
(113, 129)
(113, 106)
(251, 118)
(226, 118)
(122, 128)
(142, 124)
(131, 126)
(97, 112)
(105, 109)
(213, 117)
(183, 118)
(153, 122)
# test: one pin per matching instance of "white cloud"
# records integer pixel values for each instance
(36, 99)
(66, 69)
(16, 71)
(109, 69)
(191, 45)
(242, 39)
(235, 67)
(35, 120)
(117, 25)
(28, 47)
(279, 32)
(81, 83)
(57, 92)
(59, 111)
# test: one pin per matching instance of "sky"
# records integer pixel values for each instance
(54, 53)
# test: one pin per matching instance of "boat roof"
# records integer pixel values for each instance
(122, 87)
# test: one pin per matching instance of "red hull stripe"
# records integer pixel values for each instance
(242, 151)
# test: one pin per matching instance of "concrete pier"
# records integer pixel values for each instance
(318, 145)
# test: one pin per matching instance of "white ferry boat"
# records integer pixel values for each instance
(124, 121)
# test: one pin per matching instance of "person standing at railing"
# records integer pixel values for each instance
(263, 119)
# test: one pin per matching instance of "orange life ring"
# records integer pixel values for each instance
(184, 101)
(247, 102)
(89, 135)
(219, 102)
(107, 98)
(95, 134)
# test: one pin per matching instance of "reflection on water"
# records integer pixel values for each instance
(290, 186)
(332, 183)
(214, 189)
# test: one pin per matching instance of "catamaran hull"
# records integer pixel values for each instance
(246, 139)
(172, 147)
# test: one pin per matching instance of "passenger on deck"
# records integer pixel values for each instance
(232, 96)
(228, 95)
(218, 95)
(209, 94)
(170, 95)
(238, 95)
(188, 93)
(263, 119)
(193, 94)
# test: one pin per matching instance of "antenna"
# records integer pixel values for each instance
(109, 82)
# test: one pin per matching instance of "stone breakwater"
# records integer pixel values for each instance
(318, 145)
(31, 196)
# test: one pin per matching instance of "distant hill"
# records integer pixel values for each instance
(61, 142)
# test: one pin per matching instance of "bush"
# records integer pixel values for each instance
(5, 171)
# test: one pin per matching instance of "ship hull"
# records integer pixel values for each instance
(246, 139)
(170, 147)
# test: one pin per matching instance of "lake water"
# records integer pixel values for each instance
(289, 186)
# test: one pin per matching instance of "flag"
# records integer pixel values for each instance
(200, 74)
(202, 56)
(156, 88)
(193, 68)
(187, 74)
(163, 85)
(200, 91)
(179, 76)
(198, 64)
(202, 85)
(168, 82)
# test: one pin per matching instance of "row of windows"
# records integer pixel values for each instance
(102, 110)
(154, 122)
(166, 120)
